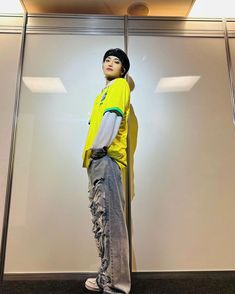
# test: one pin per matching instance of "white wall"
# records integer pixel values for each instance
(50, 222)
(182, 153)
(183, 203)
(9, 52)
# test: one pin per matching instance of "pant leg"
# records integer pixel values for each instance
(109, 225)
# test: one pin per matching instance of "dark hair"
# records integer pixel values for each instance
(122, 56)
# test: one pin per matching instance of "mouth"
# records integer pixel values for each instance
(109, 69)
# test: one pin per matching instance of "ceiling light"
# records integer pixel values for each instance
(44, 84)
(177, 84)
(11, 6)
(213, 9)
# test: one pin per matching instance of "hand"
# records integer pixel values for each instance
(98, 152)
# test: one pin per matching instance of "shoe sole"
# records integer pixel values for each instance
(92, 289)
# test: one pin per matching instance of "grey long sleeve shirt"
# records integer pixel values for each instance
(108, 130)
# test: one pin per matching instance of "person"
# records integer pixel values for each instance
(104, 156)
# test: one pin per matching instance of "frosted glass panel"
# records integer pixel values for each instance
(232, 52)
(184, 162)
(10, 49)
(50, 225)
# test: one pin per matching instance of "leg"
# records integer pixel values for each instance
(109, 226)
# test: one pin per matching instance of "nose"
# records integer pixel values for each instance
(110, 62)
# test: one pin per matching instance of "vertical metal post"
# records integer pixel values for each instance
(230, 69)
(12, 153)
(128, 175)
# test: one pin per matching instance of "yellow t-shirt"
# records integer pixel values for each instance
(114, 97)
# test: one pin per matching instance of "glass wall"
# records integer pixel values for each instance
(10, 39)
(232, 55)
(232, 50)
(182, 145)
(184, 162)
(50, 222)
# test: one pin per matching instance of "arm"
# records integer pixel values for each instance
(107, 132)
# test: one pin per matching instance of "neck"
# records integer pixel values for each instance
(108, 81)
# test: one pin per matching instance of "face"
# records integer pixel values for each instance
(112, 67)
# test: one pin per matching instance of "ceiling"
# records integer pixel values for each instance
(111, 7)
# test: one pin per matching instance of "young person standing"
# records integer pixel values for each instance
(104, 156)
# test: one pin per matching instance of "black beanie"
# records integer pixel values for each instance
(121, 55)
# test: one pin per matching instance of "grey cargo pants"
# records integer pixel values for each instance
(109, 226)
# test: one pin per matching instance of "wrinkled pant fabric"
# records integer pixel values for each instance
(109, 226)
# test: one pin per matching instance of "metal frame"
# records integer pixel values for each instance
(11, 23)
(53, 23)
(12, 154)
(230, 69)
(128, 175)
(97, 25)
